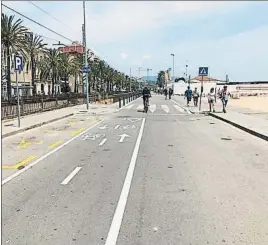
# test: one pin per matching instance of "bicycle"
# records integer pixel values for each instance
(146, 104)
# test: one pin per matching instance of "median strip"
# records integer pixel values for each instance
(55, 144)
(23, 162)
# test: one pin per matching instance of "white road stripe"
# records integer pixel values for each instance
(152, 108)
(140, 107)
(103, 142)
(120, 209)
(178, 108)
(165, 108)
(70, 176)
(48, 154)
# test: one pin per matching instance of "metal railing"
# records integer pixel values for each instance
(42, 103)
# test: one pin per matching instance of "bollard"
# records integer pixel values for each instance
(120, 102)
(124, 101)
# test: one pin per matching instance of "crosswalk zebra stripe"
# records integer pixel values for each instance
(165, 108)
(178, 108)
(129, 106)
(140, 107)
(152, 108)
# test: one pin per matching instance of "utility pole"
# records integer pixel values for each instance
(83, 43)
(85, 52)
(186, 66)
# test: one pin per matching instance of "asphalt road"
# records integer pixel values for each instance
(162, 178)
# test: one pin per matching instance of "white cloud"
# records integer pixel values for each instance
(123, 56)
(146, 57)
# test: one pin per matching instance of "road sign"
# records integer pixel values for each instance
(86, 69)
(18, 63)
(203, 71)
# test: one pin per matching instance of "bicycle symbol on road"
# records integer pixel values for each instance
(92, 136)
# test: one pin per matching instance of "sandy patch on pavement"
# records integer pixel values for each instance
(253, 103)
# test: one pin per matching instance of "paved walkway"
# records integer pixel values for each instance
(10, 127)
(254, 122)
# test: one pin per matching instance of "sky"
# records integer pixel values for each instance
(230, 37)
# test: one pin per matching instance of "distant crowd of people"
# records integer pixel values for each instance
(222, 94)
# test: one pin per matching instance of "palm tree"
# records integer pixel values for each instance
(34, 47)
(160, 78)
(52, 62)
(13, 39)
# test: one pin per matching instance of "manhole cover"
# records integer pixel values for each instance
(21, 167)
(211, 123)
(226, 139)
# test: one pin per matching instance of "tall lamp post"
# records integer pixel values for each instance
(186, 66)
(85, 52)
(173, 58)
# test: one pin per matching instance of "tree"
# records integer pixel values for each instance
(161, 79)
(52, 66)
(34, 46)
(13, 39)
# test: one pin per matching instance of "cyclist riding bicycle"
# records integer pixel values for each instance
(146, 93)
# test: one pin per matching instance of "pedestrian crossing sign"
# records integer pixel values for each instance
(203, 71)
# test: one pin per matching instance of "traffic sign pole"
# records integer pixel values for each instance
(18, 98)
(201, 94)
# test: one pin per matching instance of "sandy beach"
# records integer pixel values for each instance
(253, 103)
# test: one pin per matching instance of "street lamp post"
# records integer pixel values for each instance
(173, 76)
(85, 52)
(186, 66)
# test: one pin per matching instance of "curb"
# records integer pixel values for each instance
(35, 126)
(250, 131)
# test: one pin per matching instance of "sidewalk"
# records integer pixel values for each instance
(10, 127)
(255, 124)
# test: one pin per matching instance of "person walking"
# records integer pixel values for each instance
(170, 92)
(224, 96)
(165, 93)
(211, 100)
(188, 94)
(195, 96)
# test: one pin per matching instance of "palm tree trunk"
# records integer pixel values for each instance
(8, 75)
(33, 74)
(53, 81)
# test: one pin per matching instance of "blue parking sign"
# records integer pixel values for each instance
(18, 63)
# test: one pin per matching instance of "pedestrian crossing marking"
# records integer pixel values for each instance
(178, 108)
(165, 108)
(152, 108)
(130, 106)
(140, 107)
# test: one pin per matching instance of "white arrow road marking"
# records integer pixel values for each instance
(165, 108)
(178, 108)
(103, 127)
(134, 119)
(129, 106)
(121, 205)
(152, 108)
(117, 126)
(70, 176)
(122, 137)
(140, 107)
(128, 126)
(103, 142)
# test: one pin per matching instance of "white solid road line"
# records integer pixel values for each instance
(70, 176)
(165, 108)
(178, 108)
(103, 142)
(48, 154)
(120, 209)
